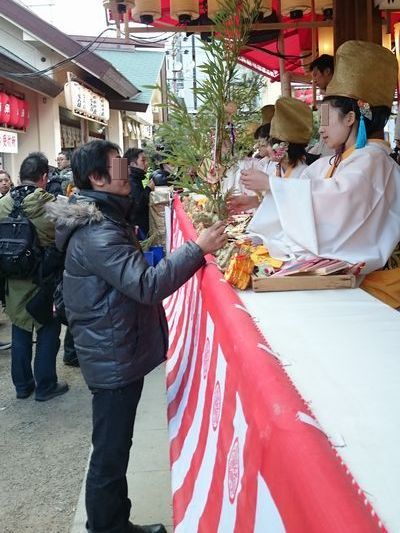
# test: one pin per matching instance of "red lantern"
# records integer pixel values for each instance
(21, 113)
(27, 117)
(14, 111)
(5, 108)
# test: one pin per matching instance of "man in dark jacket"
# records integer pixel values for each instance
(22, 292)
(113, 305)
(138, 165)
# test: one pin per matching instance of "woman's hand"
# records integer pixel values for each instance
(240, 203)
(255, 180)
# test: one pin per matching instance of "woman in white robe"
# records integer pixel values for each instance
(291, 129)
(347, 207)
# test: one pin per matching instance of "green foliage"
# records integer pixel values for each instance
(200, 146)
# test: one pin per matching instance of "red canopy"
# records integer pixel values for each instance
(262, 54)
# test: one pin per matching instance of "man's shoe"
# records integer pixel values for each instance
(26, 394)
(71, 362)
(60, 388)
(153, 528)
(5, 345)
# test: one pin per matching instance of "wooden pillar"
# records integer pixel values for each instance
(357, 19)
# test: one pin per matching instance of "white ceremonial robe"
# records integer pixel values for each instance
(232, 180)
(353, 216)
(266, 219)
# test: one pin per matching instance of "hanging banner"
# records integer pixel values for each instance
(85, 103)
(8, 142)
(246, 453)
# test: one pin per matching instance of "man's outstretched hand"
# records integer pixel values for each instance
(213, 238)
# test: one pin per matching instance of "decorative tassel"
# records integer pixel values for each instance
(361, 140)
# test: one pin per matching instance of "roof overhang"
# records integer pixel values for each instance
(128, 105)
(93, 64)
(43, 84)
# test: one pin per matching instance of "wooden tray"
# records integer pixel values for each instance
(303, 283)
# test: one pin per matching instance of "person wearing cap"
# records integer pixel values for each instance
(291, 129)
(346, 207)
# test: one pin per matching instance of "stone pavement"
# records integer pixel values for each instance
(148, 473)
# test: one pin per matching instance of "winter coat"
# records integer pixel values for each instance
(162, 177)
(141, 197)
(112, 297)
(20, 291)
(59, 181)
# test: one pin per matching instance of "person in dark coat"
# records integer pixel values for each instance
(138, 164)
(62, 178)
(113, 302)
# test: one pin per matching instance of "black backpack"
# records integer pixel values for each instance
(20, 253)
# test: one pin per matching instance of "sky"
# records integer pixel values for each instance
(73, 17)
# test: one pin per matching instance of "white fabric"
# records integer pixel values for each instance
(232, 179)
(343, 347)
(266, 222)
(353, 216)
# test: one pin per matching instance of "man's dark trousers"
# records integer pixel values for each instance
(107, 503)
(44, 371)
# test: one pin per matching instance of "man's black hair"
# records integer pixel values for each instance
(33, 167)
(322, 63)
(89, 159)
(132, 154)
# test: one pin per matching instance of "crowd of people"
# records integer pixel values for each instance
(112, 300)
(340, 199)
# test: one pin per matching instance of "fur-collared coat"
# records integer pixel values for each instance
(112, 297)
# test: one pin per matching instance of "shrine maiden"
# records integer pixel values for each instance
(348, 206)
(291, 129)
(259, 161)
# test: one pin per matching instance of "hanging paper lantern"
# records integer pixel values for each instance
(214, 6)
(295, 8)
(146, 11)
(4, 108)
(14, 111)
(26, 115)
(184, 10)
(119, 6)
(104, 109)
(21, 113)
(325, 41)
(324, 7)
(265, 8)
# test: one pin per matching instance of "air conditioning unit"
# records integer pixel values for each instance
(388, 4)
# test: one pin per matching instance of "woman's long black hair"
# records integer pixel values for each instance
(380, 114)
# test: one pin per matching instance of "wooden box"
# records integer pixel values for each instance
(298, 282)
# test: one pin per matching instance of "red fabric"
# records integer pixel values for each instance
(233, 424)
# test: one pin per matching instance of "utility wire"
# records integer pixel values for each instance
(61, 63)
